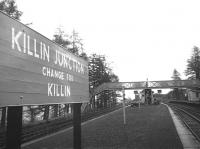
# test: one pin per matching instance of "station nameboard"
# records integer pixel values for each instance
(35, 70)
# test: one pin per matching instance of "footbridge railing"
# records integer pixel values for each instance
(147, 84)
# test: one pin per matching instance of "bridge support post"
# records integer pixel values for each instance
(77, 125)
(14, 127)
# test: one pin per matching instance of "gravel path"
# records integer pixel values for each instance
(149, 127)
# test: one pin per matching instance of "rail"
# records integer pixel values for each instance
(190, 116)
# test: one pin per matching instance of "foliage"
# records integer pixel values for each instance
(99, 73)
(10, 8)
(76, 44)
(84, 55)
(61, 38)
(72, 42)
(177, 93)
(193, 65)
(176, 75)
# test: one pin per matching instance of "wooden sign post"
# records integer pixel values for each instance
(14, 127)
(77, 125)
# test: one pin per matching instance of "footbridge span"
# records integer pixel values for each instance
(147, 84)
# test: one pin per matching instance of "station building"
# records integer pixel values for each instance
(193, 95)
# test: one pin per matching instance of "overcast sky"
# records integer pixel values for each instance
(140, 38)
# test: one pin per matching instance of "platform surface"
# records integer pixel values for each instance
(148, 127)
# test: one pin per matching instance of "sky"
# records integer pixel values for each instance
(140, 38)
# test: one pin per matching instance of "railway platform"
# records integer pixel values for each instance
(147, 127)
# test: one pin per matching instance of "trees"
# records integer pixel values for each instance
(177, 93)
(77, 45)
(61, 38)
(73, 42)
(99, 73)
(193, 65)
(176, 75)
(10, 8)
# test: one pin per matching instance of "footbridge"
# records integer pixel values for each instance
(147, 84)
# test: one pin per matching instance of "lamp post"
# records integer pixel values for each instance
(124, 106)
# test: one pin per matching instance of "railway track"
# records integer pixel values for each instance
(190, 117)
(39, 130)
